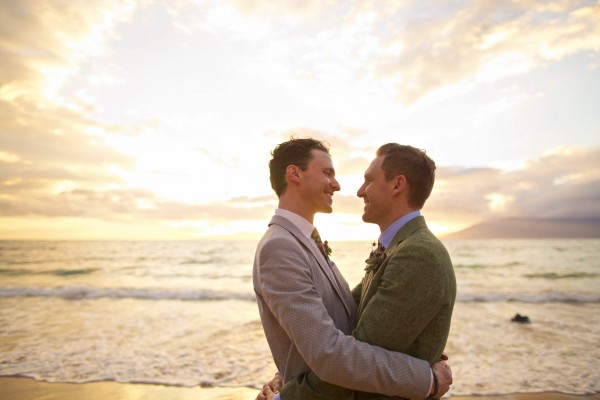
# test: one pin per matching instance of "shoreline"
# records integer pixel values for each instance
(24, 388)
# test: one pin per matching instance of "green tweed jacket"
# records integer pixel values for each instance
(405, 306)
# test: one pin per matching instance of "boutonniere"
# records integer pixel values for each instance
(376, 258)
(328, 250)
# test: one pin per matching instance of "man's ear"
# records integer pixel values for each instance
(400, 184)
(292, 173)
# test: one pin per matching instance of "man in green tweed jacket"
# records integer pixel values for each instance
(407, 294)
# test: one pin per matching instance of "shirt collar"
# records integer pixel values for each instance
(305, 227)
(388, 235)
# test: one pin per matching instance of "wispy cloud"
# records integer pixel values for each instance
(419, 47)
(43, 42)
(564, 183)
(481, 41)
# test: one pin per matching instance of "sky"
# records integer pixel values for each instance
(154, 120)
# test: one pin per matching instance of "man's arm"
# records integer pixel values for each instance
(289, 292)
(308, 386)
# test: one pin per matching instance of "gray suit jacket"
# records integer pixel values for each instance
(308, 312)
(405, 306)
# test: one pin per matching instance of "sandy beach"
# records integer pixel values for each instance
(19, 388)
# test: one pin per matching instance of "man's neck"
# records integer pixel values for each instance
(390, 232)
(285, 204)
(395, 216)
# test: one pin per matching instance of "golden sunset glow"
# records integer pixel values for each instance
(155, 120)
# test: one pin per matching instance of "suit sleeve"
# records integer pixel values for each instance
(289, 292)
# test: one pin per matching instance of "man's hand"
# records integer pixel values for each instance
(444, 375)
(276, 383)
(271, 388)
(265, 394)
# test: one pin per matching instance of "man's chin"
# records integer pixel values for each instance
(326, 210)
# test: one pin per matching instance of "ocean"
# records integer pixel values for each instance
(183, 313)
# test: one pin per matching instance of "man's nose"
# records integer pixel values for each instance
(336, 185)
(361, 191)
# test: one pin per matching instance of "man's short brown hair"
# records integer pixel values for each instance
(293, 152)
(415, 165)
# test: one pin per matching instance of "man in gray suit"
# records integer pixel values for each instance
(306, 307)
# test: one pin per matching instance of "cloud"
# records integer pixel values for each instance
(560, 184)
(563, 183)
(125, 204)
(42, 43)
(425, 46)
(417, 47)
(45, 40)
(42, 135)
(48, 153)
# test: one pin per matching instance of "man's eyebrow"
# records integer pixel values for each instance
(329, 170)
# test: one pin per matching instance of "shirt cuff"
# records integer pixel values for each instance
(277, 397)
(426, 395)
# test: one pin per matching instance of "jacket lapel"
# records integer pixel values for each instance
(326, 268)
(371, 280)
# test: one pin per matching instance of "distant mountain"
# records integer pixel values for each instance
(531, 228)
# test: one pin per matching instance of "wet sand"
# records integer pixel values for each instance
(18, 388)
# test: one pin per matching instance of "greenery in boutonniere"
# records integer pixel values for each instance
(328, 250)
(376, 258)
